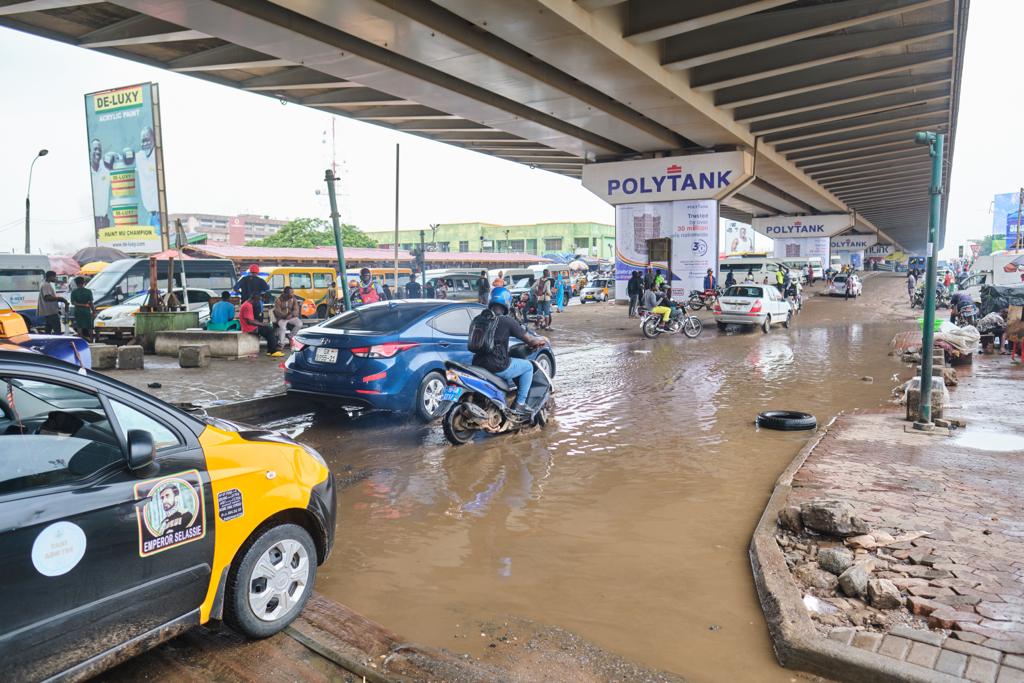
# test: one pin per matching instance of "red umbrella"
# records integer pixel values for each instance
(64, 265)
(172, 253)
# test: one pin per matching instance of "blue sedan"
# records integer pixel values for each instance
(389, 355)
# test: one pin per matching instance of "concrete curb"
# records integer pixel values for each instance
(260, 409)
(796, 641)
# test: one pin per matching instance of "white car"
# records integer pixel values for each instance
(596, 290)
(755, 305)
(838, 286)
(119, 320)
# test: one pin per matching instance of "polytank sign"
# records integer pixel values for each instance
(853, 242)
(696, 176)
(881, 251)
(825, 225)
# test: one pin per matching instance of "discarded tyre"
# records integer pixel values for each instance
(786, 420)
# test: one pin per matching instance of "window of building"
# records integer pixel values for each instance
(531, 246)
(553, 244)
(582, 242)
(516, 245)
(464, 245)
(444, 246)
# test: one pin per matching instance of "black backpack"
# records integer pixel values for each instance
(481, 332)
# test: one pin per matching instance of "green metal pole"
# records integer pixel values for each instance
(342, 270)
(936, 143)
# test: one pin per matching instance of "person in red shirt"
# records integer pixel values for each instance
(250, 325)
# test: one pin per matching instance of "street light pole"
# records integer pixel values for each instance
(935, 142)
(330, 179)
(28, 202)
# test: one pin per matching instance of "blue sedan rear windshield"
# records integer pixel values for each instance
(380, 318)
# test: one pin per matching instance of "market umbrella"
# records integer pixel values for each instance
(108, 254)
(579, 265)
(93, 268)
(64, 265)
(172, 253)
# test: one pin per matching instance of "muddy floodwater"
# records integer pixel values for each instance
(627, 519)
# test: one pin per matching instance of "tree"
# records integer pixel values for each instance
(313, 232)
(986, 245)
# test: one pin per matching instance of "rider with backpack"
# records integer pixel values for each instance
(542, 292)
(489, 334)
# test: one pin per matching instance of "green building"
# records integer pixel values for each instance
(596, 240)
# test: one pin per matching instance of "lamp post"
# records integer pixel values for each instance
(28, 203)
(339, 244)
(935, 142)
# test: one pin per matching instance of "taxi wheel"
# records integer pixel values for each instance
(269, 585)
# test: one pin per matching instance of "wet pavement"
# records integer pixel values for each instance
(626, 520)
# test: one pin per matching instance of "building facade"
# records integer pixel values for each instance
(231, 230)
(594, 240)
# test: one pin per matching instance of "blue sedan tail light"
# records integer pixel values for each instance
(386, 350)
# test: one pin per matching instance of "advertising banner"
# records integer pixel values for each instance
(853, 242)
(126, 167)
(802, 247)
(739, 239)
(881, 251)
(824, 225)
(1004, 214)
(695, 176)
(691, 228)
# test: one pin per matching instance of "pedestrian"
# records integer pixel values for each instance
(387, 291)
(249, 284)
(85, 309)
(542, 292)
(441, 291)
(749, 279)
(412, 288)
(252, 325)
(48, 306)
(659, 279)
(848, 290)
(500, 280)
(222, 313)
(810, 274)
(780, 280)
(560, 293)
(634, 288)
(370, 291)
(710, 281)
(648, 278)
(730, 279)
(483, 289)
(911, 285)
(286, 312)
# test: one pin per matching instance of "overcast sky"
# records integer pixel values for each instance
(232, 152)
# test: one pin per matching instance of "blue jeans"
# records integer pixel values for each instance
(521, 372)
(543, 308)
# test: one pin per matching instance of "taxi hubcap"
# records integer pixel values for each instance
(279, 580)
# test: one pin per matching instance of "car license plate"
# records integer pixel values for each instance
(451, 394)
(325, 355)
(100, 324)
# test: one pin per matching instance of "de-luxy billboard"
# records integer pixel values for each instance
(126, 168)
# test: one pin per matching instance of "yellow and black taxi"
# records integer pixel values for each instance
(125, 521)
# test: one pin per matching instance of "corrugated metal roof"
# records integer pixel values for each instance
(358, 254)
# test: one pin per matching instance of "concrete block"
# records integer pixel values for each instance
(104, 356)
(940, 398)
(952, 663)
(130, 357)
(194, 356)
(222, 344)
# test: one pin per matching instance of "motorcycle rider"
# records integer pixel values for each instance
(369, 290)
(957, 302)
(498, 361)
(665, 305)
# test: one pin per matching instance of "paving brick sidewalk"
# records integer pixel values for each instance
(963, 582)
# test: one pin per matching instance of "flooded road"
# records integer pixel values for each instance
(627, 519)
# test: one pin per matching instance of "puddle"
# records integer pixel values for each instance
(987, 440)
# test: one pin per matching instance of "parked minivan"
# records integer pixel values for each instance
(307, 282)
(124, 278)
(761, 268)
(21, 276)
(461, 282)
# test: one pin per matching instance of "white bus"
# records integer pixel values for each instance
(760, 267)
(21, 276)
(800, 264)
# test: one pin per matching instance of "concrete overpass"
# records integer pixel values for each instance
(828, 93)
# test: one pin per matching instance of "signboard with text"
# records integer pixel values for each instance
(853, 242)
(691, 227)
(825, 225)
(126, 168)
(802, 247)
(695, 176)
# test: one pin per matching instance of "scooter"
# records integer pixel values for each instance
(478, 400)
(967, 315)
(651, 324)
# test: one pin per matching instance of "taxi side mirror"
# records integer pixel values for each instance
(141, 449)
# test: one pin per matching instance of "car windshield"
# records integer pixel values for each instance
(741, 290)
(138, 299)
(839, 279)
(380, 318)
(521, 282)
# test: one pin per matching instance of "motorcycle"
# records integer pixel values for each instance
(967, 315)
(652, 324)
(525, 311)
(478, 400)
(705, 298)
(795, 300)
